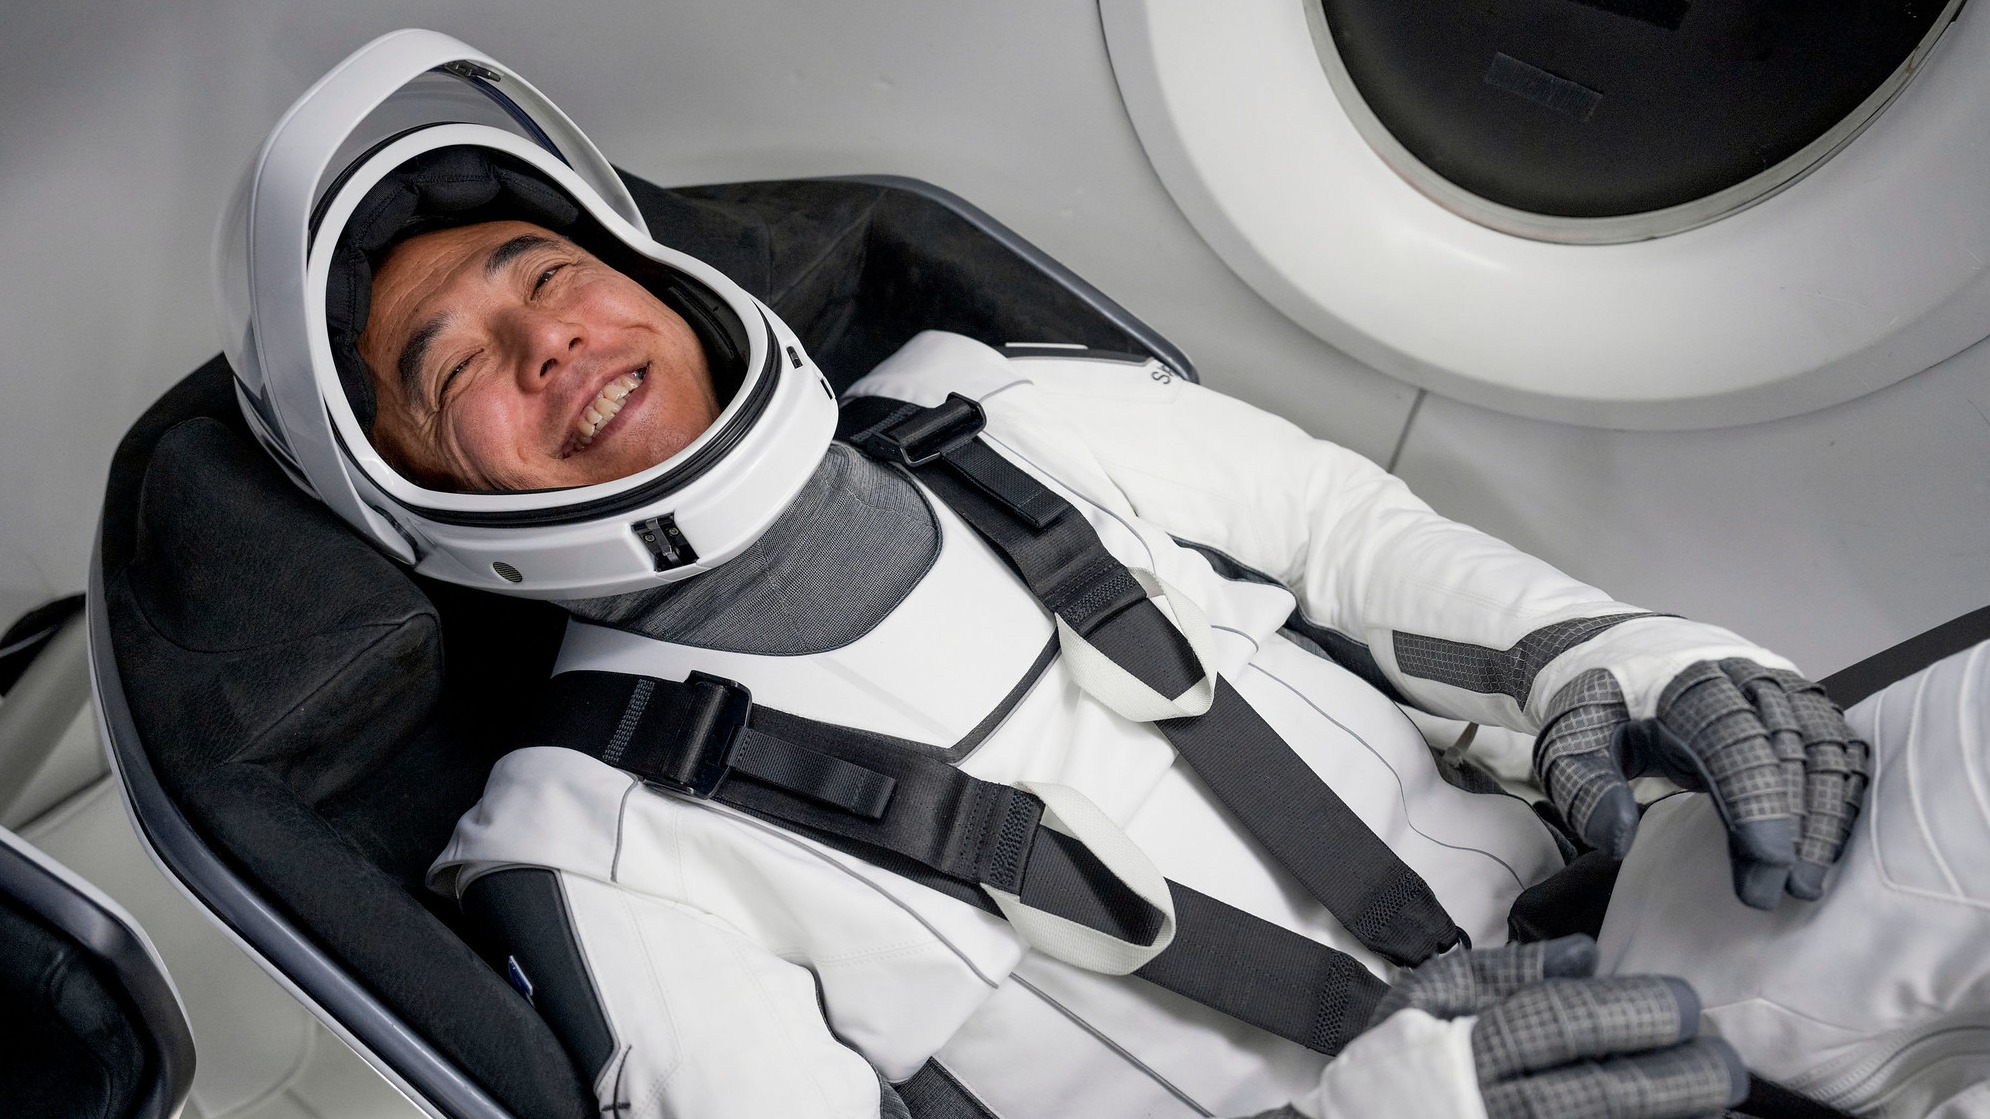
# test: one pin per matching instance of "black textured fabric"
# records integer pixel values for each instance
(891, 1105)
(853, 544)
(1272, 792)
(933, 1093)
(524, 911)
(1508, 671)
(71, 1050)
(1571, 900)
(820, 778)
(1769, 1100)
(1265, 976)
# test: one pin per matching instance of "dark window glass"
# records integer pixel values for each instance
(1601, 108)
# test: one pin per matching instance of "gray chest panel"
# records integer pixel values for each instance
(849, 549)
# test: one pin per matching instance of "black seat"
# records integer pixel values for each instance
(94, 1030)
(298, 722)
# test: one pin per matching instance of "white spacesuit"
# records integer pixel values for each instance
(734, 962)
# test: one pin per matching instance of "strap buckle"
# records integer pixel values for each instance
(926, 434)
(712, 722)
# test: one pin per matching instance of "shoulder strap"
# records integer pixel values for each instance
(900, 805)
(1243, 761)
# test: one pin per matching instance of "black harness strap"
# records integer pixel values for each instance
(902, 806)
(1249, 768)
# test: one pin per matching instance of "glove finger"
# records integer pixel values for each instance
(1777, 711)
(1704, 1075)
(1460, 983)
(1835, 769)
(1575, 761)
(1714, 738)
(1760, 851)
(1708, 732)
(1559, 1021)
(1827, 820)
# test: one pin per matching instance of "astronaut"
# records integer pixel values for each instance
(1023, 736)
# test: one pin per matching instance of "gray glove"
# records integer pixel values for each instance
(1785, 772)
(1552, 1042)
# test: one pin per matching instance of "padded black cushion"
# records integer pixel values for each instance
(322, 718)
(289, 684)
(71, 1051)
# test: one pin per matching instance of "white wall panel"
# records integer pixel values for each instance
(122, 125)
(1827, 537)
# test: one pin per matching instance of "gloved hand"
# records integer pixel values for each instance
(1549, 1042)
(1552, 1042)
(1785, 772)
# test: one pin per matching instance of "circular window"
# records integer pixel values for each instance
(1612, 120)
(1567, 263)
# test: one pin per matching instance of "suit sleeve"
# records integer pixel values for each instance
(1456, 622)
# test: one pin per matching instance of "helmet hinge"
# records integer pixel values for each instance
(665, 542)
(464, 68)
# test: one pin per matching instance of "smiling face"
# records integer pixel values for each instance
(505, 357)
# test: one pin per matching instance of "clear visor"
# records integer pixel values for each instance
(437, 97)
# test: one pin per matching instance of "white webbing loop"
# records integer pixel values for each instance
(1067, 810)
(1127, 695)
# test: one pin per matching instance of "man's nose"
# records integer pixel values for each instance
(544, 344)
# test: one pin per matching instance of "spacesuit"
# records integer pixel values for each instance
(854, 968)
(730, 965)
(759, 919)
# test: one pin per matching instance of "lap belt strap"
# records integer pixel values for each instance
(1243, 761)
(902, 806)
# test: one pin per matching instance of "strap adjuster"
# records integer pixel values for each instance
(710, 734)
(926, 434)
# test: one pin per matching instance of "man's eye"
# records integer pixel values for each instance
(544, 277)
(442, 393)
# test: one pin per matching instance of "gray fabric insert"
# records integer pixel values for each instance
(1510, 672)
(933, 1093)
(848, 550)
(891, 1105)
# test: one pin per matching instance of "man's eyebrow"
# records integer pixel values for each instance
(513, 249)
(415, 352)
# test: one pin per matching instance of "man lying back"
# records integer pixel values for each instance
(1059, 767)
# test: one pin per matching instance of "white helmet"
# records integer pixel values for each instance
(286, 248)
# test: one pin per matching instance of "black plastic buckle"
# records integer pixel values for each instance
(665, 543)
(928, 433)
(712, 722)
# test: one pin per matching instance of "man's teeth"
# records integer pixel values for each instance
(603, 407)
